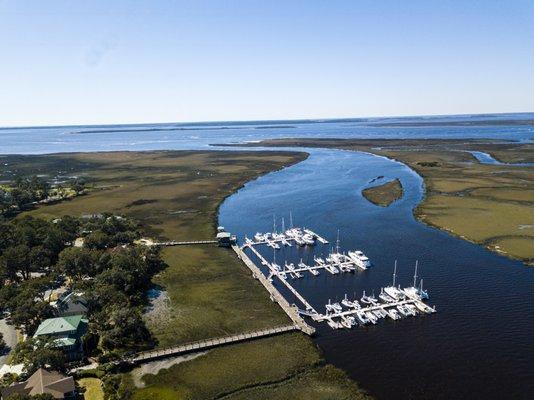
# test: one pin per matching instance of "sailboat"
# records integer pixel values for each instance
(414, 291)
(392, 291)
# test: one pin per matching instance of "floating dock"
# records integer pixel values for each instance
(408, 302)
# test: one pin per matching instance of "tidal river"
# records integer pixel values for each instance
(480, 342)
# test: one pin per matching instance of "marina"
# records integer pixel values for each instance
(393, 301)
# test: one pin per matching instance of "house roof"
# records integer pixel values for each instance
(72, 303)
(53, 326)
(43, 381)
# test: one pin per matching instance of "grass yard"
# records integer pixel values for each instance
(93, 388)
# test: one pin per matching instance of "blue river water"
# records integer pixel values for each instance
(480, 343)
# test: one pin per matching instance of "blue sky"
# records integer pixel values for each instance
(81, 62)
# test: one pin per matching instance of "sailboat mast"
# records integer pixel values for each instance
(274, 223)
(415, 274)
(394, 273)
(337, 242)
(283, 225)
(290, 220)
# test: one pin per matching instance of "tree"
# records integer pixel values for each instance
(2, 343)
(39, 353)
(78, 262)
(97, 240)
(28, 314)
(14, 262)
(125, 330)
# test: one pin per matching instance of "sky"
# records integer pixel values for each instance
(113, 61)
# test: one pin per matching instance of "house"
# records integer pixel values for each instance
(44, 382)
(71, 303)
(66, 332)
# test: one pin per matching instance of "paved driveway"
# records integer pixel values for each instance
(10, 337)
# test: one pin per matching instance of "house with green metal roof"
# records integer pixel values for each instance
(66, 333)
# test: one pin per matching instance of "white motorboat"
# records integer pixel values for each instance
(350, 319)
(331, 269)
(308, 239)
(328, 306)
(285, 242)
(299, 241)
(366, 299)
(393, 314)
(403, 310)
(337, 307)
(377, 314)
(258, 237)
(272, 244)
(318, 260)
(360, 259)
(275, 266)
(336, 258)
(384, 297)
(371, 317)
(332, 324)
(346, 302)
(345, 323)
(411, 309)
(362, 318)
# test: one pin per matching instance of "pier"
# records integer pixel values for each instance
(191, 242)
(207, 344)
(276, 296)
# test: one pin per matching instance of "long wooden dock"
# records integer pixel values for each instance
(290, 287)
(175, 243)
(276, 296)
(201, 345)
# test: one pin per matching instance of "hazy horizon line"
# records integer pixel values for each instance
(252, 121)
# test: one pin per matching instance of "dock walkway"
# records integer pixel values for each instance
(276, 296)
(175, 243)
(201, 345)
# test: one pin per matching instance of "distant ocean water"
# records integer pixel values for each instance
(41, 140)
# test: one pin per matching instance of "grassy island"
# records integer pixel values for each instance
(488, 204)
(205, 290)
(385, 194)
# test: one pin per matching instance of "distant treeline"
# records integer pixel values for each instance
(26, 191)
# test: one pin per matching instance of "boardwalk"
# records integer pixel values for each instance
(201, 345)
(290, 310)
(175, 243)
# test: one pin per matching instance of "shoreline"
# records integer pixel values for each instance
(203, 180)
(400, 150)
